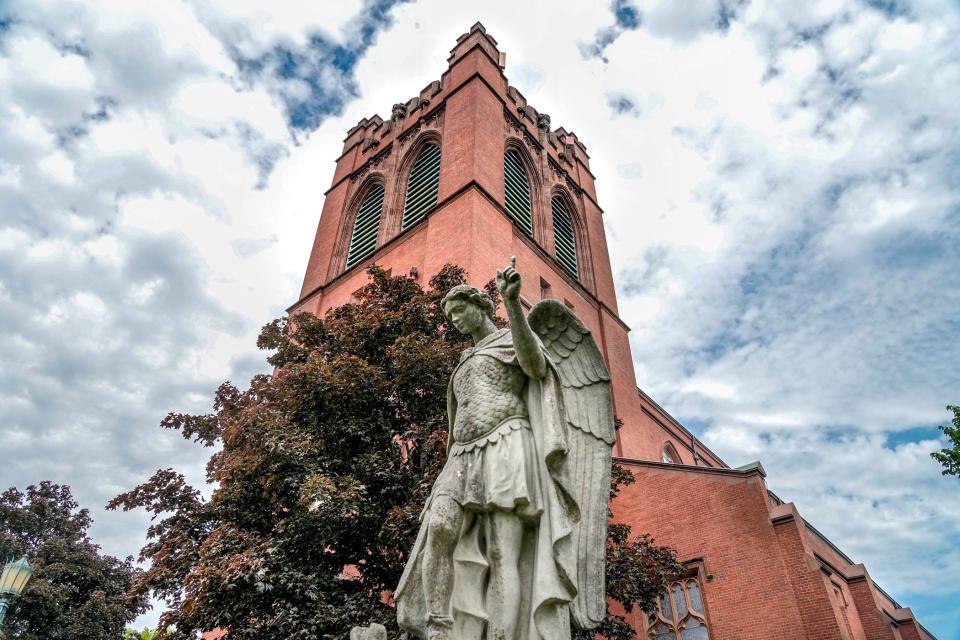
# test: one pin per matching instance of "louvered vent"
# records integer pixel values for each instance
(365, 227)
(422, 186)
(517, 190)
(563, 237)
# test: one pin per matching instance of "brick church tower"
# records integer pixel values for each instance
(468, 173)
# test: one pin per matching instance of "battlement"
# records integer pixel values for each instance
(375, 127)
(373, 131)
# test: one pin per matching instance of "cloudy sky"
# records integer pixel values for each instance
(782, 191)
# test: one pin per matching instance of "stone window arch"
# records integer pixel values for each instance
(669, 454)
(520, 187)
(366, 224)
(420, 177)
(567, 234)
(362, 224)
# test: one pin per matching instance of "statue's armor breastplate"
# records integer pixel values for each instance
(488, 392)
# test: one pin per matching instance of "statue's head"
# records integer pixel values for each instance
(467, 307)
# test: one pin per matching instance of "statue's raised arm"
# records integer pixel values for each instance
(529, 354)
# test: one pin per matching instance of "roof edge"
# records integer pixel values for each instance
(748, 470)
(673, 421)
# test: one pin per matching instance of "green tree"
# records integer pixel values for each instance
(950, 458)
(76, 593)
(144, 634)
(322, 470)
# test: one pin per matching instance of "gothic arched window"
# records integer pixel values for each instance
(670, 455)
(680, 613)
(422, 186)
(363, 240)
(516, 188)
(564, 238)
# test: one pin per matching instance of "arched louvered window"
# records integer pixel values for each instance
(516, 187)
(563, 236)
(422, 186)
(363, 240)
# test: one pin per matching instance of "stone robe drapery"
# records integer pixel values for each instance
(547, 556)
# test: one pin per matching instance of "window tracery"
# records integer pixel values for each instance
(680, 613)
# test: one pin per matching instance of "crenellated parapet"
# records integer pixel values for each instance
(564, 150)
(375, 128)
(564, 143)
(478, 137)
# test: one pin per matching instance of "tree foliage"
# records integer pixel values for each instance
(322, 471)
(950, 457)
(75, 592)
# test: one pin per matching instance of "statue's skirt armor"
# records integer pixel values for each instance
(495, 471)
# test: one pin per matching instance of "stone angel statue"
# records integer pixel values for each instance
(513, 537)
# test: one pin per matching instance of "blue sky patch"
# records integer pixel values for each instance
(621, 105)
(626, 13)
(696, 426)
(890, 8)
(729, 11)
(309, 67)
(914, 434)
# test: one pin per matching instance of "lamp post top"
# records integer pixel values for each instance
(15, 576)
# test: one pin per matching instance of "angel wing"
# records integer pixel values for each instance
(588, 406)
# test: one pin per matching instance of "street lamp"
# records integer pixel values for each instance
(14, 579)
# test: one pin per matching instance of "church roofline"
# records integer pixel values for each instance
(830, 544)
(784, 512)
(745, 472)
(854, 572)
(676, 423)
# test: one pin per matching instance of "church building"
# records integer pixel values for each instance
(467, 172)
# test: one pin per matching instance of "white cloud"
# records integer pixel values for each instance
(681, 21)
(254, 27)
(58, 86)
(156, 212)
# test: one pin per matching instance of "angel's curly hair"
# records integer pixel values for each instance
(469, 294)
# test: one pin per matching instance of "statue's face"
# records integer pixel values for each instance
(465, 316)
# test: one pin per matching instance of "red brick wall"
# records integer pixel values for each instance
(809, 587)
(768, 574)
(723, 518)
(839, 569)
(875, 625)
(909, 631)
